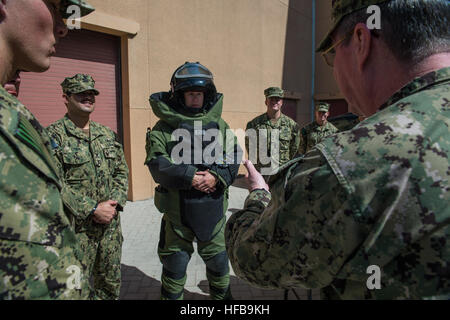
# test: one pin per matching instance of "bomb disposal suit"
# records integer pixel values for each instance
(185, 141)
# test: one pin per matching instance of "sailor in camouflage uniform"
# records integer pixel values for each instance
(273, 119)
(97, 176)
(37, 241)
(316, 131)
(375, 196)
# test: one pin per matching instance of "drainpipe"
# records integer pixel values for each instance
(313, 75)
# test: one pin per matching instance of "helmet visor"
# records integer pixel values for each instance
(193, 71)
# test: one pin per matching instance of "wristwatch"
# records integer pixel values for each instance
(93, 210)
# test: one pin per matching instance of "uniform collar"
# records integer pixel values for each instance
(79, 133)
(419, 84)
(270, 120)
(321, 128)
(163, 108)
(316, 125)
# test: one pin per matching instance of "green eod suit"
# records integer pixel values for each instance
(190, 214)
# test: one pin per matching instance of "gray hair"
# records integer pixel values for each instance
(412, 29)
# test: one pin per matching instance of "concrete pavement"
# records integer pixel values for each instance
(141, 268)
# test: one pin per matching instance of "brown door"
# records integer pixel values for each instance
(82, 51)
(290, 108)
(337, 107)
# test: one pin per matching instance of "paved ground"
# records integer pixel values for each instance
(141, 268)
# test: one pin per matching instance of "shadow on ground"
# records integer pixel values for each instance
(241, 290)
(136, 285)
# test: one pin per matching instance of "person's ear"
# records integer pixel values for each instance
(362, 42)
(2, 10)
(65, 98)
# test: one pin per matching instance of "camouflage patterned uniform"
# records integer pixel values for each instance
(374, 195)
(289, 134)
(37, 243)
(85, 8)
(313, 133)
(95, 171)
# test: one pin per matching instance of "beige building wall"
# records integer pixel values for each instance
(249, 45)
(298, 56)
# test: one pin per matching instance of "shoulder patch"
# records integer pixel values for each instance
(53, 144)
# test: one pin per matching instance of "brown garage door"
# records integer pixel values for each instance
(290, 108)
(82, 51)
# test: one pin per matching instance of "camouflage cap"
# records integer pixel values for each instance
(79, 83)
(323, 106)
(85, 8)
(274, 92)
(342, 8)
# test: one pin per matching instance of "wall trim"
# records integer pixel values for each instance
(102, 22)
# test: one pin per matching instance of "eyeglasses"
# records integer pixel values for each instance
(330, 53)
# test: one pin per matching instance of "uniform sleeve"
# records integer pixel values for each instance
(119, 188)
(302, 141)
(251, 132)
(246, 137)
(334, 130)
(295, 142)
(296, 240)
(162, 169)
(232, 159)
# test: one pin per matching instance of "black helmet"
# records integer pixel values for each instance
(193, 76)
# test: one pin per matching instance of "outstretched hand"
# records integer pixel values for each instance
(253, 178)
